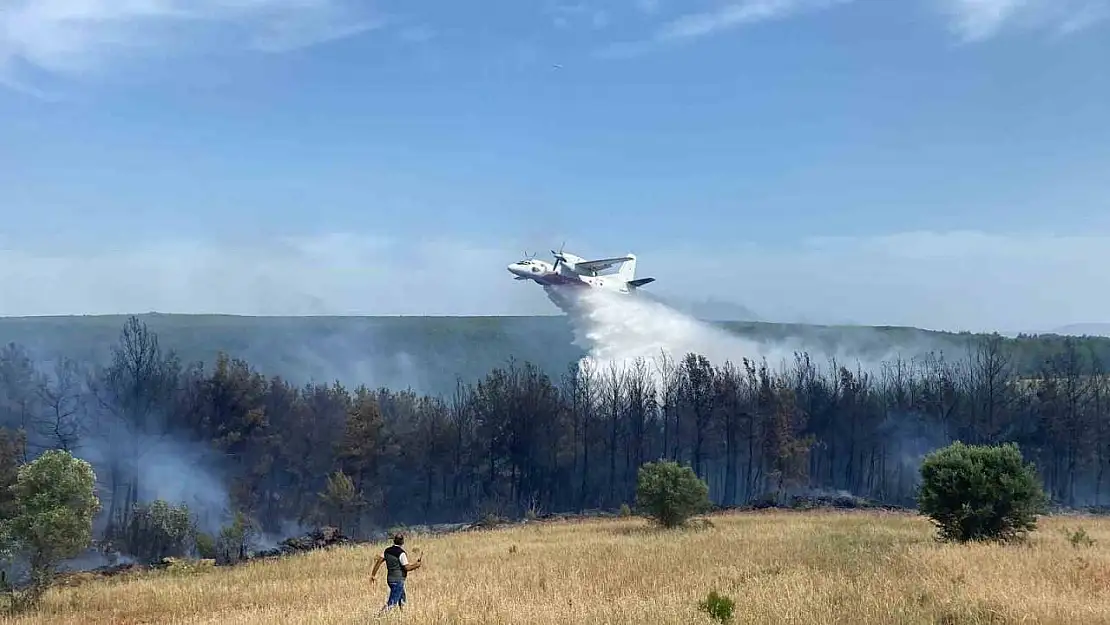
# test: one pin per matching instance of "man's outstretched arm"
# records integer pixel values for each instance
(377, 565)
(410, 567)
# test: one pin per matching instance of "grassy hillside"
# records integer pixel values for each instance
(428, 352)
(779, 567)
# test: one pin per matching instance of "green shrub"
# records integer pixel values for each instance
(670, 493)
(158, 530)
(206, 546)
(718, 607)
(625, 511)
(1079, 538)
(976, 493)
(236, 539)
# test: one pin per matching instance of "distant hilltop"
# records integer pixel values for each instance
(1084, 329)
(428, 354)
(708, 309)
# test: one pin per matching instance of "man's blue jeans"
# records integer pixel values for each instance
(396, 594)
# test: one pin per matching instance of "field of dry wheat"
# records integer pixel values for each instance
(780, 567)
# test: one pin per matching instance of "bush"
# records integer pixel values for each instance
(670, 493)
(718, 607)
(206, 546)
(157, 530)
(976, 493)
(1079, 538)
(236, 539)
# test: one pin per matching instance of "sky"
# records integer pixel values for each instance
(937, 163)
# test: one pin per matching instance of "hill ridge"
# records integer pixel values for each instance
(429, 353)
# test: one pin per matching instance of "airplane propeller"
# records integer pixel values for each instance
(558, 257)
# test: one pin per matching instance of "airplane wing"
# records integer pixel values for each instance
(600, 265)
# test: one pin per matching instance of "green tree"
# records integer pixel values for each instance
(670, 493)
(975, 493)
(340, 500)
(56, 501)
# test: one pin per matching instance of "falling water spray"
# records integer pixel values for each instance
(618, 329)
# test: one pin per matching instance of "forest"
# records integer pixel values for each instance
(223, 438)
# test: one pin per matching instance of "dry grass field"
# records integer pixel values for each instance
(780, 567)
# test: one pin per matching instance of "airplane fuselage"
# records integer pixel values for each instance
(573, 271)
(546, 274)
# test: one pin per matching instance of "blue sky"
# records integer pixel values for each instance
(940, 163)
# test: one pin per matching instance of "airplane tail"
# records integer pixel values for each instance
(627, 272)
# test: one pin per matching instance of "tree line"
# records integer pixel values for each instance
(521, 441)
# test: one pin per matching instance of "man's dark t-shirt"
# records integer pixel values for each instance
(395, 561)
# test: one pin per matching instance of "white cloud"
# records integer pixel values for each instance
(970, 20)
(957, 280)
(334, 274)
(974, 20)
(738, 14)
(580, 14)
(979, 20)
(74, 37)
(1084, 17)
(725, 17)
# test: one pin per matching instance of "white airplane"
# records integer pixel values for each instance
(571, 270)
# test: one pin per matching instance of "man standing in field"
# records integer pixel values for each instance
(397, 568)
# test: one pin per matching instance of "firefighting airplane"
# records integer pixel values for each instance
(571, 270)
